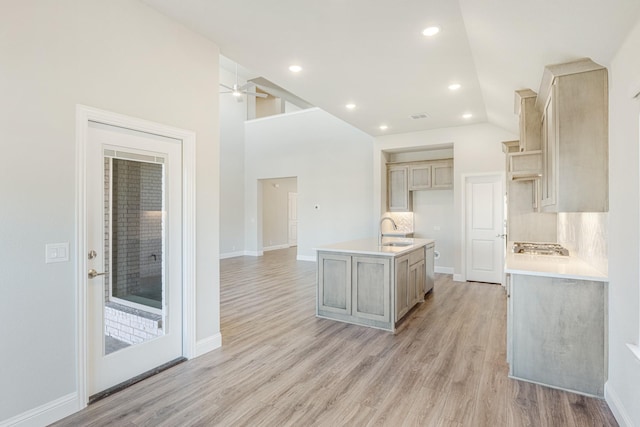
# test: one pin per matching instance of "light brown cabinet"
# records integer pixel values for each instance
(529, 119)
(374, 291)
(574, 132)
(399, 197)
(403, 178)
(556, 332)
(419, 177)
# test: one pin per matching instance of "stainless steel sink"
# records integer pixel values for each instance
(397, 244)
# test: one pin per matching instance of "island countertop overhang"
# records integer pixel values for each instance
(370, 246)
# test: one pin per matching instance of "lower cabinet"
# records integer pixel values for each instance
(556, 332)
(374, 291)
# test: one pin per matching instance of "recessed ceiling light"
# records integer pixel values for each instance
(467, 115)
(384, 127)
(350, 106)
(431, 31)
(455, 86)
(295, 68)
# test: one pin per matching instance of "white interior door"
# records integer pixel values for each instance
(484, 229)
(134, 236)
(293, 219)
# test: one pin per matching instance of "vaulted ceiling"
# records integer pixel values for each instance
(372, 53)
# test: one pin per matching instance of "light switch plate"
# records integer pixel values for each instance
(56, 252)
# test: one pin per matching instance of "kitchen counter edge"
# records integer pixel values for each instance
(562, 267)
(370, 246)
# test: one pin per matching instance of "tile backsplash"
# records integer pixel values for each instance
(585, 235)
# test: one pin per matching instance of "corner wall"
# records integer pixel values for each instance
(232, 117)
(476, 149)
(120, 56)
(622, 390)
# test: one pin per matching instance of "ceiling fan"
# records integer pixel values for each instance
(237, 90)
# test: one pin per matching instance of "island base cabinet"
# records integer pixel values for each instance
(556, 333)
(375, 291)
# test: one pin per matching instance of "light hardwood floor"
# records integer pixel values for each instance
(281, 366)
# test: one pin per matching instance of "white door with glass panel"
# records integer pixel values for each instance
(484, 228)
(134, 236)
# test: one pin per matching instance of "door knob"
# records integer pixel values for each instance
(501, 235)
(94, 274)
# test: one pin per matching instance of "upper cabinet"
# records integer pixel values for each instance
(529, 116)
(442, 174)
(573, 103)
(405, 177)
(398, 198)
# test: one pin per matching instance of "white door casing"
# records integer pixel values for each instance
(484, 225)
(185, 315)
(293, 218)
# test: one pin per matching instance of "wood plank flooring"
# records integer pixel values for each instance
(281, 366)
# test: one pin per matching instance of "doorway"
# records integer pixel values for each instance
(135, 240)
(484, 225)
(279, 213)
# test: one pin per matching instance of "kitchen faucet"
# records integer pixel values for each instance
(395, 227)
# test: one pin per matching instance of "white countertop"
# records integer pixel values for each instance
(370, 246)
(566, 267)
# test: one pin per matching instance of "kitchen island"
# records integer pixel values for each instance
(372, 284)
(556, 322)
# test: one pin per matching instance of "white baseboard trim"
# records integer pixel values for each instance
(253, 253)
(458, 278)
(276, 247)
(208, 344)
(443, 270)
(231, 254)
(45, 414)
(306, 258)
(612, 399)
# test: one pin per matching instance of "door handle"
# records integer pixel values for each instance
(93, 274)
(501, 235)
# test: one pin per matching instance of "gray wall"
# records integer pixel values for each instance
(115, 55)
(333, 163)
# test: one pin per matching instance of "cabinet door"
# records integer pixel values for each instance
(557, 329)
(442, 175)
(402, 286)
(416, 283)
(371, 278)
(419, 177)
(334, 283)
(398, 197)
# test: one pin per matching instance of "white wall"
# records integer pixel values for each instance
(275, 211)
(476, 149)
(232, 117)
(116, 55)
(623, 387)
(333, 164)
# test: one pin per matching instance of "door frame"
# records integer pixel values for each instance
(84, 115)
(463, 219)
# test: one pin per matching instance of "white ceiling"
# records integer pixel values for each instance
(372, 52)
